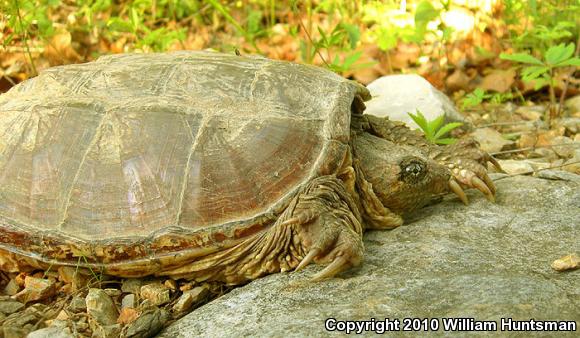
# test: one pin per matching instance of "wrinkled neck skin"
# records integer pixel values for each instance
(384, 190)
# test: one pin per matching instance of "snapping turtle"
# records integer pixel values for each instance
(207, 166)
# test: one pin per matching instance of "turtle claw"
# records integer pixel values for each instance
(495, 164)
(339, 264)
(308, 259)
(468, 165)
(345, 251)
(477, 183)
(489, 184)
(456, 189)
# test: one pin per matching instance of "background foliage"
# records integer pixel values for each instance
(455, 44)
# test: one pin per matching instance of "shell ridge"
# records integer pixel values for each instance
(79, 169)
(201, 130)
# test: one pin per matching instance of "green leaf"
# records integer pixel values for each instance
(353, 34)
(435, 124)
(432, 129)
(475, 97)
(522, 58)
(446, 141)
(447, 128)
(220, 8)
(569, 62)
(421, 121)
(352, 58)
(253, 22)
(559, 53)
(119, 25)
(541, 82)
(532, 73)
(386, 40)
(135, 18)
(322, 34)
(425, 12)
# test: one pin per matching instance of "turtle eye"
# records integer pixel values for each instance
(413, 170)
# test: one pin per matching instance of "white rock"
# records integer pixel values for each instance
(132, 285)
(571, 124)
(531, 113)
(573, 165)
(396, 95)
(545, 153)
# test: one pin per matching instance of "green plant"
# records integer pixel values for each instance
(541, 71)
(343, 39)
(389, 25)
(537, 25)
(28, 19)
(475, 98)
(386, 23)
(434, 130)
(139, 13)
(479, 95)
(96, 276)
(499, 98)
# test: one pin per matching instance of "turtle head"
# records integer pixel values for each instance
(402, 177)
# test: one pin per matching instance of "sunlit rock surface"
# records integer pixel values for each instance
(485, 261)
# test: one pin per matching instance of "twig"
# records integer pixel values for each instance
(503, 124)
(9, 80)
(34, 71)
(535, 147)
(535, 171)
(312, 42)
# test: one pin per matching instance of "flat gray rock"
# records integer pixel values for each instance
(484, 261)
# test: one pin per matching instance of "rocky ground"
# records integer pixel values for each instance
(485, 261)
(69, 302)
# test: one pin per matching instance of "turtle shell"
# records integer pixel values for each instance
(137, 162)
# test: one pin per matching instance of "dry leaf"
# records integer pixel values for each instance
(457, 81)
(499, 80)
(59, 50)
(127, 315)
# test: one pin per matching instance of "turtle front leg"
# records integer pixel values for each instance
(325, 227)
(321, 224)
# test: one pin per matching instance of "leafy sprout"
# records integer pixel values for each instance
(479, 95)
(475, 98)
(541, 71)
(434, 130)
